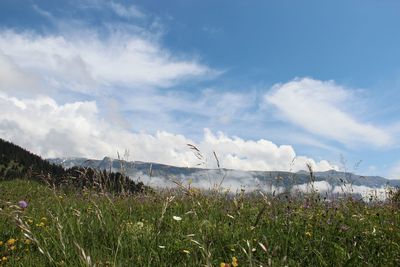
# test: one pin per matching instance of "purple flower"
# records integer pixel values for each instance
(23, 204)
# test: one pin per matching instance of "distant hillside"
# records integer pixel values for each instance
(16, 162)
(160, 175)
(19, 163)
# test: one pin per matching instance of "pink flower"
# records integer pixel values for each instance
(23, 204)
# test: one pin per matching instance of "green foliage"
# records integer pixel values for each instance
(16, 162)
(87, 228)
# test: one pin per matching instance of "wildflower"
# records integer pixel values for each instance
(176, 218)
(41, 224)
(11, 242)
(30, 221)
(23, 204)
(223, 264)
(4, 258)
(1, 243)
(186, 251)
(234, 261)
(308, 234)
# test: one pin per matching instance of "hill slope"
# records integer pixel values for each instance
(18, 163)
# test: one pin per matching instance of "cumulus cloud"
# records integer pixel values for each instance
(317, 106)
(262, 154)
(51, 130)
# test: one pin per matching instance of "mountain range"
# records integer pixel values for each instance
(160, 175)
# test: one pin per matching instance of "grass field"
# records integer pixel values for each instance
(192, 228)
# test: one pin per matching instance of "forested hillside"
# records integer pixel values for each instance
(18, 163)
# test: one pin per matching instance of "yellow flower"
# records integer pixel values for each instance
(4, 258)
(308, 234)
(223, 264)
(234, 261)
(41, 224)
(1, 243)
(30, 221)
(11, 242)
(44, 219)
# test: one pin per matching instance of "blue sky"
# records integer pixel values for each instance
(259, 82)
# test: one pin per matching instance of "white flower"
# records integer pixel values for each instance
(177, 218)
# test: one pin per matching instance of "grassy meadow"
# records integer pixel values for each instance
(187, 227)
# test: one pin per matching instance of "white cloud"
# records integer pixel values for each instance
(231, 180)
(319, 186)
(87, 62)
(12, 78)
(126, 11)
(262, 154)
(366, 192)
(317, 106)
(76, 129)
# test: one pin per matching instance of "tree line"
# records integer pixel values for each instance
(19, 163)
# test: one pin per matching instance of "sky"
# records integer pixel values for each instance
(267, 85)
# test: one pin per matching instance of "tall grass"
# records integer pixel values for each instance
(189, 227)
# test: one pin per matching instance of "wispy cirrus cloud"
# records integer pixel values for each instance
(317, 107)
(91, 62)
(130, 11)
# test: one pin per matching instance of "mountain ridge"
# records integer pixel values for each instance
(147, 170)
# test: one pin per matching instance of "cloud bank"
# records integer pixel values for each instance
(53, 130)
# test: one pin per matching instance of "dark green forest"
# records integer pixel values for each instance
(18, 163)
